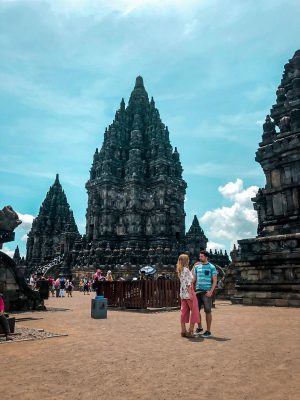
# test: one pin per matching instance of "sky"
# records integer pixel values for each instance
(212, 67)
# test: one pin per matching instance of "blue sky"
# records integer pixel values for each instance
(212, 67)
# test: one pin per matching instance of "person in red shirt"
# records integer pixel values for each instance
(51, 285)
(3, 320)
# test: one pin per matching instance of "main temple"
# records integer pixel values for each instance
(136, 191)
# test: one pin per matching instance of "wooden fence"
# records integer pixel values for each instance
(141, 294)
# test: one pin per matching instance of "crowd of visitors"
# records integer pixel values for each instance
(86, 284)
(57, 287)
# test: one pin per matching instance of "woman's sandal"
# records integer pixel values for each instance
(183, 334)
(190, 335)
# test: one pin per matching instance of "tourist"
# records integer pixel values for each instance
(51, 285)
(57, 286)
(62, 286)
(205, 276)
(98, 276)
(142, 276)
(85, 285)
(109, 277)
(32, 281)
(189, 304)
(81, 284)
(69, 287)
(3, 319)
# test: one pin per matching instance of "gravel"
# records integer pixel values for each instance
(25, 334)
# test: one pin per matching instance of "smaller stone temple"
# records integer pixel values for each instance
(20, 261)
(53, 231)
(195, 240)
(266, 269)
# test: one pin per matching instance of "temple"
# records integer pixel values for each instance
(266, 269)
(135, 214)
(53, 231)
(136, 191)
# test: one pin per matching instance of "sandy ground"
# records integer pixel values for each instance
(255, 355)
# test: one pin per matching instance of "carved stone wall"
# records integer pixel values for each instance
(266, 269)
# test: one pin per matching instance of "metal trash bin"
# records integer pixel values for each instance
(99, 308)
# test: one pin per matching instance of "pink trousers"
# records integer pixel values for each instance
(190, 308)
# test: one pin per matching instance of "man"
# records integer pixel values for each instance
(205, 277)
(3, 320)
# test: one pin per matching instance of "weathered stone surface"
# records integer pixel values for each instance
(276, 249)
(281, 302)
(53, 231)
(9, 219)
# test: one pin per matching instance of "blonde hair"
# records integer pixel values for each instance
(183, 261)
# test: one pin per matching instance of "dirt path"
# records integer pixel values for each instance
(255, 355)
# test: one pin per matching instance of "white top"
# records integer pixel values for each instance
(186, 280)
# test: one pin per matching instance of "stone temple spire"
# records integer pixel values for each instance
(268, 266)
(136, 191)
(195, 240)
(54, 218)
(17, 256)
(279, 156)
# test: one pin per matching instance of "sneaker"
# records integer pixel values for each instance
(206, 334)
(199, 330)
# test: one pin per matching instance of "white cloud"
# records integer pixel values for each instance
(24, 238)
(234, 191)
(7, 251)
(236, 222)
(27, 220)
(215, 246)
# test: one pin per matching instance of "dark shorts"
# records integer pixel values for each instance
(204, 301)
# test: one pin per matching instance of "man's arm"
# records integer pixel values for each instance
(214, 284)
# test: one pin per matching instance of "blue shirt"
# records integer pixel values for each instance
(204, 274)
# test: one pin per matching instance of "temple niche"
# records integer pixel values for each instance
(266, 269)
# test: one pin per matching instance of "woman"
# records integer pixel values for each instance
(189, 303)
(109, 277)
(3, 320)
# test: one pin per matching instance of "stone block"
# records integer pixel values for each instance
(263, 295)
(248, 294)
(247, 301)
(281, 302)
(263, 302)
(294, 303)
